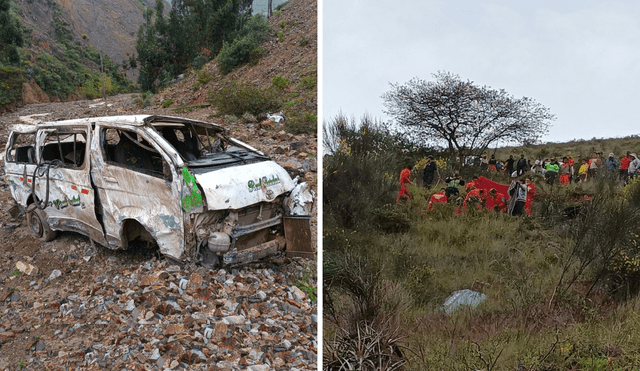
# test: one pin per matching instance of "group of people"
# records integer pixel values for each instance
(482, 193)
(627, 168)
(514, 199)
(566, 171)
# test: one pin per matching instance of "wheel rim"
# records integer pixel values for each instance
(35, 224)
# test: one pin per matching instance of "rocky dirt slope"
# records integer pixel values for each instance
(290, 52)
(87, 307)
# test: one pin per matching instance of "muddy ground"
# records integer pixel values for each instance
(112, 309)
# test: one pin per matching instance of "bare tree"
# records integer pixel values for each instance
(464, 117)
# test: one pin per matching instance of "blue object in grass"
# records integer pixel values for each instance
(462, 297)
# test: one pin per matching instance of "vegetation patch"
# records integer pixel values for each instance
(561, 286)
(167, 103)
(280, 82)
(11, 80)
(240, 97)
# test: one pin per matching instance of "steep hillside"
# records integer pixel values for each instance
(290, 53)
(109, 26)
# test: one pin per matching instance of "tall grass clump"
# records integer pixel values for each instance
(606, 242)
(364, 326)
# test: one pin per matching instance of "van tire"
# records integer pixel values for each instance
(38, 225)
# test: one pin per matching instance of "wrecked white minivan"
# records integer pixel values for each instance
(180, 183)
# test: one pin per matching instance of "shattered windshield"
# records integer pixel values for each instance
(205, 145)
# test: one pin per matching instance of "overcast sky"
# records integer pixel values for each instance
(581, 59)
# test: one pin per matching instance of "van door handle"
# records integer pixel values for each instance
(110, 180)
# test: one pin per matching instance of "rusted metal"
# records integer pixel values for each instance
(297, 231)
(252, 254)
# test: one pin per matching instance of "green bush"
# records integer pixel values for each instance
(255, 56)
(89, 90)
(302, 123)
(204, 77)
(243, 47)
(167, 102)
(236, 53)
(240, 97)
(280, 82)
(199, 61)
(144, 100)
(10, 85)
(309, 82)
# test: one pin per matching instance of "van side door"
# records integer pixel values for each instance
(137, 186)
(63, 180)
(19, 164)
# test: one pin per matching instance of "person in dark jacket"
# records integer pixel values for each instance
(521, 166)
(509, 165)
(430, 172)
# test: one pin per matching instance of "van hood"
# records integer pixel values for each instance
(240, 186)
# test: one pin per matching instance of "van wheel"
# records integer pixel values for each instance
(37, 221)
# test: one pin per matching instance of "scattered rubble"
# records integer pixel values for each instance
(154, 315)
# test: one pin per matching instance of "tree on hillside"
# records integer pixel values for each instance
(464, 117)
(11, 36)
(195, 28)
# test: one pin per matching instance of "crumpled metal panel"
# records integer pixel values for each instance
(151, 201)
(300, 201)
(240, 186)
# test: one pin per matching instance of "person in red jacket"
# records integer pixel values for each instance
(438, 197)
(475, 196)
(470, 184)
(499, 201)
(531, 191)
(404, 180)
(624, 167)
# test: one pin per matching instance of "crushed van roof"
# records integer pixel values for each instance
(133, 120)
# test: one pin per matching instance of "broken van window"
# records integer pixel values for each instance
(183, 140)
(131, 150)
(22, 149)
(68, 147)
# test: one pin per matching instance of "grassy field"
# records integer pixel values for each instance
(561, 292)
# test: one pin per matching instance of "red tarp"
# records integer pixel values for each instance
(487, 184)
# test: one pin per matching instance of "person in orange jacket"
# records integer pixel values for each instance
(470, 184)
(624, 167)
(438, 197)
(475, 196)
(531, 191)
(499, 201)
(405, 174)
